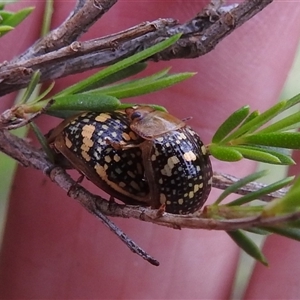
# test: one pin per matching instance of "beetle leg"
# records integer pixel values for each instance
(112, 199)
(121, 145)
(75, 185)
(153, 200)
(161, 210)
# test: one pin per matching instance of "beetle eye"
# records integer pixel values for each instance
(136, 115)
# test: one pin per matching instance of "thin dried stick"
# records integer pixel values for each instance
(223, 181)
(199, 36)
(84, 15)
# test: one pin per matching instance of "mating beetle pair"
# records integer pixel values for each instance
(139, 156)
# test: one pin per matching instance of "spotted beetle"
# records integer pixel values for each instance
(177, 166)
(139, 156)
(86, 142)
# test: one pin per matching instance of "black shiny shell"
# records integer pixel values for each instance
(86, 141)
(181, 171)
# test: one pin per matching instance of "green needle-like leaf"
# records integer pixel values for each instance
(292, 233)
(257, 122)
(257, 154)
(42, 141)
(293, 101)
(31, 87)
(288, 204)
(86, 102)
(288, 140)
(43, 94)
(231, 212)
(261, 192)
(69, 105)
(18, 17)
(125, 63)
(131, 83)
(247, 245)
(4, 29)
(282, 154)
(252, 116)
(283, 158)
(283, 124)
(4, 15)
(224, 153)
(232, 122)
(120, 75)
(143, 87)
(48, 11)
(240, 183)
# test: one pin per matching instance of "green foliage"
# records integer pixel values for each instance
(240, 183)
(41, 138)
(90, 82)
(100, 92)
(288, 204)
(230, 124)
(263, 191)
(9, 20)
(247, 245)
(143, 86)
(239, 209)
(247, 135)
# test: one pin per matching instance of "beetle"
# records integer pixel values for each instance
(177, 166)
(86, 142)
(138, 155)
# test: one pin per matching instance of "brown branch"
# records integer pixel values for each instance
(84, 15)
(77, 57)
(28, 156)
(199, 36)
